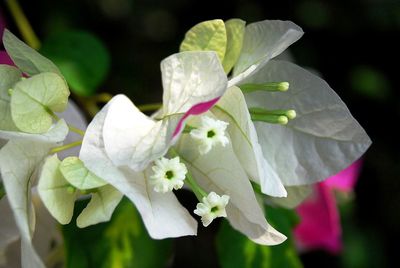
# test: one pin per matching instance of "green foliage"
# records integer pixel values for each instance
(82, 58)
(370, 82)
(78, 175)
(235, 34)
(26, 58)
(236, 250)
(206, 36)
(121, 243)
(35, 99)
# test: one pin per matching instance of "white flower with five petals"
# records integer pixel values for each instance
(211, 207)
(168, 174)
(210, 133)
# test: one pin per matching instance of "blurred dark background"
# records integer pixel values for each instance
(353, 44)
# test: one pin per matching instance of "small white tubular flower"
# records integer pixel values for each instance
(213, 206)
(210, 133)
(168, 174)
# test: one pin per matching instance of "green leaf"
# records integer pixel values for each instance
(75, 172)
(206, 36)
(101, 206)
(234, 33)
(34, 100)
(9, 75)
(54, 191)
(235, 250)
(26, 58)
(122, 242)
(82, 58)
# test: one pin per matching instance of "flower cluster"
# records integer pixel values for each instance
(233, 119)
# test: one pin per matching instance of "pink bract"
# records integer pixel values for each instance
(319, 226)
(195, 110)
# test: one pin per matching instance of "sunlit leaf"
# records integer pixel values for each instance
(82, 58)
(26, 58)
(234, 34)
(75, 172)
(206, 36)
(34, 100)
(54, 190)
(121, 243)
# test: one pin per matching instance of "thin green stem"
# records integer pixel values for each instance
(76, 130)
(71, 127)
(149, 107)
(2, 190)
(22, 22)
(197, 190)
(102, 97)
(65, 147)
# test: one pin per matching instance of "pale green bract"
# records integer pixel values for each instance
(75, 172)
(8, 77)
(101, 206)
(234, 33)
(54, 191)
(35, 99)
(27, 59)
(206, 36)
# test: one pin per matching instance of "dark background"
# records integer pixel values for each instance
(353, 44)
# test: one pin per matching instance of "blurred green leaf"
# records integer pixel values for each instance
(82, 58)
(236, 250)
(121, 243)
(370, 82)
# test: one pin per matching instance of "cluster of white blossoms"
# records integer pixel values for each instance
(232, 118)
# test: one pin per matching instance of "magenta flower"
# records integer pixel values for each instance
(319, 226)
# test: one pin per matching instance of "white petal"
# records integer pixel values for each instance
(162, 214)
(322, 140)
(190, 78)
(18, 160)
(8, 230)
(232, 108)
(262, 41)
(133, 139)
(56, 133)
(221, 172)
